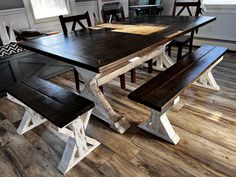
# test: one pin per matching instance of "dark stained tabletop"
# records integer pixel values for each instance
(105, 48)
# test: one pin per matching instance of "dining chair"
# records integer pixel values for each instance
(149, 10)
(74, 20)
(179, 9)
(115, 12)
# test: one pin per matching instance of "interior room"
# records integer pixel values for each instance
(117, 88)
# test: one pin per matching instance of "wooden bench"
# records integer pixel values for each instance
(162, 92)
(68, 112)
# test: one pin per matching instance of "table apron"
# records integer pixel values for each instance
(132, 63)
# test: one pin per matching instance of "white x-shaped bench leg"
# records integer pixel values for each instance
(162, 61)
(78, 145)
(207, 80)
(159, 125)
(30, 120)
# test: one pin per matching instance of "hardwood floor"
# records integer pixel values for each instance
(206, 124)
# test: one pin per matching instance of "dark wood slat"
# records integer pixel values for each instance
(45, 106)
(166, 92)
(122, 81)
(117, 13)
(183, 39)
(97, 51)
(56, 104)
(62, 56)
(170, 73)
(69, 99)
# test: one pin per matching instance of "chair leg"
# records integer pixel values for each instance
(179, 55)
(169, 50)
(150, 68)
(122, 81)
(190, 46)
(78, 145)
(191, 43)
(76, 75)
(133, 75)
(101, 88)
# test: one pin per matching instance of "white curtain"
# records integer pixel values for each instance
(49, 8)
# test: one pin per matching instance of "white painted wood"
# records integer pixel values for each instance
(207, 80)
(4, 34)
(91, 91)
(132, 63)
(159, 125)
(69, 155)
(162, 60)
(30, 120)
(103, 109)
(80, 138)
(13, 99)
(78, 145)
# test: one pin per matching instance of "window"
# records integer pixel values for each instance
(223, 2)
(46, 9)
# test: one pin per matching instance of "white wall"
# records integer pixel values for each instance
(22, 21)
(16, 16)
(222, 31)
(224, 26)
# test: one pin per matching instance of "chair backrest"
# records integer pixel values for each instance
(75, 19)
(111, 11)
(186, 5)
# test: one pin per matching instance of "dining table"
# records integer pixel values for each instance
(106, 51)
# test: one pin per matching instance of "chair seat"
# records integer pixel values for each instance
(181, 40)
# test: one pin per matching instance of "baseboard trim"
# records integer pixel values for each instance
(224, 43)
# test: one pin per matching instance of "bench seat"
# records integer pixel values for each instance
(54, 103)
(160, 93)
(68, 112)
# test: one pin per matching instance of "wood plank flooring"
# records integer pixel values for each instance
(206, 124)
